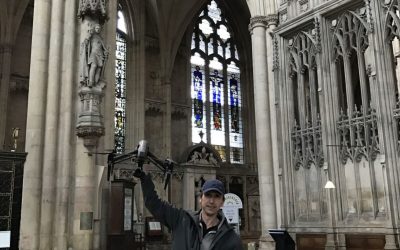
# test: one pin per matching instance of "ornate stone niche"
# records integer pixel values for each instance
(202, 155)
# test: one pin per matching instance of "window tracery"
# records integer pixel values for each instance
(357, 125)
(306, 133)
(216, 85)
(392, 31)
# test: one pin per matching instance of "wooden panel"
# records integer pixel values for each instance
(365, 242)
(311, 241)
(116, 209)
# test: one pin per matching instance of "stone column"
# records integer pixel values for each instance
(65, 133)
(5, 59)
(31, 192)
(93, 65)
(272, 65)
(50, 160)
(258, 26)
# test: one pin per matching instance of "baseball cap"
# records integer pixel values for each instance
(213, 185)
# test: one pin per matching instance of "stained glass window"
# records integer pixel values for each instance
(120, 88)
(216, 74)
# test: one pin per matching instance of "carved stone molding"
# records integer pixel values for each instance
(272, 19)
(358, 136)
(304, 5)
(307, 146)
(124, 174)
(204, 157)
(283, 15)
(180, 111)
(275, 65)
(154, 107)
(258, 21)
(90, 121)
(368, 14)
(97, 9)
(317, 34)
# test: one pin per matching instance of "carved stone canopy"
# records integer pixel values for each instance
(202, 154)
(96, 9)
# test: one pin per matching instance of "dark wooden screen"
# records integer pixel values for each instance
(11, 177)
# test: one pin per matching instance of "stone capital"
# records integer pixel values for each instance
(258, 21)
(272, 19)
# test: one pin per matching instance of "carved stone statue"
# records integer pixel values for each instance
(94, 55)
(203, 158)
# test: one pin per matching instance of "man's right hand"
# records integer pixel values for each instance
(139, 173)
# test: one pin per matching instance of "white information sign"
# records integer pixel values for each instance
(231, 208)
(231, 214)
(232, 200)
(5, 237)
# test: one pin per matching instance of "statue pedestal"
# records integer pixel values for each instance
(90, 125)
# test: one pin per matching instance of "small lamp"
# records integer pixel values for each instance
(329, 185)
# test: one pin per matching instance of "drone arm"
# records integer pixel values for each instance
(124, 157)
(157, 162)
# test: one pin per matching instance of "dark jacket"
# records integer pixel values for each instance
(186, 230)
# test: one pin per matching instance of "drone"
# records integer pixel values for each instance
(140, 156)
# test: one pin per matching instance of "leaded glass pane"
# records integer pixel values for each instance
(223, 32)
(197, 60)
(228, 51)
(198, 97)
(220, 49)
(121, 25)
(236, 54)
(202, 44)
(210, 46)
(193, 41)
(214, 12)
(120, 94)
(216, 112)
(235, 131)
(215, 64)
(221, 150)
(205, 27)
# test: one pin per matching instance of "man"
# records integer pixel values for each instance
(206, 229)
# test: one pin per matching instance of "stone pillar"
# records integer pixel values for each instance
(5, 59)
(93, 65)
(167, 122)
(272, 65)
(49, 170)
(32, 184)
(258, 26)
(65, 133)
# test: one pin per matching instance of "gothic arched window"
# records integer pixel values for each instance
(120, 85)
(357, 139)
(350, 43)
(215, 85)
(303, 72)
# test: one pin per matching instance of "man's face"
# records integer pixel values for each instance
(211, 202)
